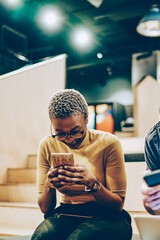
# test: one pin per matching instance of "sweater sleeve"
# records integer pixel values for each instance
(115, 168)
(42, 166)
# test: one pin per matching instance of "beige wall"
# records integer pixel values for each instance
(147, 65)
(146, 105)
(24, 97)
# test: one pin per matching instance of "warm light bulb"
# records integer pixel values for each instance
(150, 24)
(82, 38)
(99, 55)
(12, 3)
(49, 18)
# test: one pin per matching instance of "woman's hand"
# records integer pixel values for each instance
(151, 198)
(77, 174)
(52, 178)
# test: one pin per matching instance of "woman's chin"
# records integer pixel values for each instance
(74, 144)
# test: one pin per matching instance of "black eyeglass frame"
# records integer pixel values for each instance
(67, 134)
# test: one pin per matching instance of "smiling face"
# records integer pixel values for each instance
(75, 122)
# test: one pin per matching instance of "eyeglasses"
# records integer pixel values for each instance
(71, 134)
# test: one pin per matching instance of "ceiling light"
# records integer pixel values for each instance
(82, 38)
(150, 25)
(12, 3)
(49, 18)
(95, 3)
(99, 55)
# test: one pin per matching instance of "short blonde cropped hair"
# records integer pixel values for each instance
(65, 102)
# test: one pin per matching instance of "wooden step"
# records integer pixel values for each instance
(132, 213)
(18, 193)
(21, 175)
(10, 232)
(22, 219)
(32, 161)
(132, 145)
(20, 216)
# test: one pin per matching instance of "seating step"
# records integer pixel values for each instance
(10, 232)
(20, 215)
(18, 193)
(21, 175)
(134, 226)
(132, 145)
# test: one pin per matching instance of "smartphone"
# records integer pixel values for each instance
(152, 178)
(61, 159)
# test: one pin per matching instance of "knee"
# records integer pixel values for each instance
(43, 231)
(94, 230)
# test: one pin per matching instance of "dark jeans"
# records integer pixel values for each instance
(104, 224)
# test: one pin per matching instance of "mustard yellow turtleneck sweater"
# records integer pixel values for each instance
(101, 152)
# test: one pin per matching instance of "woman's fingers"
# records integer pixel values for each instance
(151, 196)
(154, 204)
(52, 172)
(146, 190)
(75, 168)
(58, 177)
(67, 183)
(68, 179)
(70, 173)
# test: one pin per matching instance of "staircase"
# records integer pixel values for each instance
(19, 212)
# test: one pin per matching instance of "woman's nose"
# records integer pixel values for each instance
(69, 140)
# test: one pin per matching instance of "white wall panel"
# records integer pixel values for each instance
(24, 97)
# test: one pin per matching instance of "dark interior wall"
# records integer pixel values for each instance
(98, 85)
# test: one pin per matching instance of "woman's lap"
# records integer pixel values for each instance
(55, 228)
(103, 228)
(73, 228)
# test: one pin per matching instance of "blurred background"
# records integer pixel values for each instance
(107, 50)
(101, 40)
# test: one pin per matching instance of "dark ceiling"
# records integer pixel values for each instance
(113, 24)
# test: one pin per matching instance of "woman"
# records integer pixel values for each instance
(93, 189)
